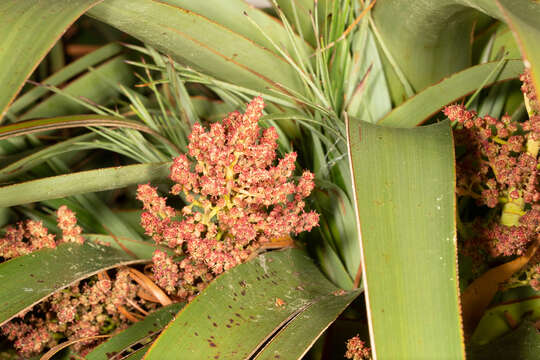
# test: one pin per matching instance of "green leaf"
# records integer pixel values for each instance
(152, 323)
(429, 101)
(404, 185)
(82, 182)
(26, 280)
(523, 18)
(195, 39)
(249, 305)
(66, 73)
(28, 29)
(437, 43)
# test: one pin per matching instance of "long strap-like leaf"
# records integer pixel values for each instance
(404, 186)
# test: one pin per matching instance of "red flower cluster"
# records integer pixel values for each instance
(357, 349)
(237, 199)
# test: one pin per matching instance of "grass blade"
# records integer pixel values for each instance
(82, 182)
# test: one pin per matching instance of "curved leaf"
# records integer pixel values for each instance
(25, 40)
(429, 101)
(152, 323)
(249, 305)
(26, 280)
(404, 186)
(82, 182)
(199, 41)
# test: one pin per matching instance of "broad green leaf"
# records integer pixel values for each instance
(152, 323)
(66, 73)
(198, 41)
(82, 182)
(404, 185)
(99, 86)
(28, 279)
(494, 323)
(246, 307)
(429, 101)
(523, 18)
(28, 29)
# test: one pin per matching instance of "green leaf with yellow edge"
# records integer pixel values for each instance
(28, 29)
(55, 187)
(252, 305)
(27, 280)
(152, 323)
(429, 101)
(404, 186)
(197, 40)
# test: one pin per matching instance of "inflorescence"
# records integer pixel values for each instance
(237, 200)
(91, 307)
(499, 168)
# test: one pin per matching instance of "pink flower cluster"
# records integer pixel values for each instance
(91, 307)
(88, 308)
(496, 163)
(499, 169)
(29, 236)
(237, 199)
(357, 349)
